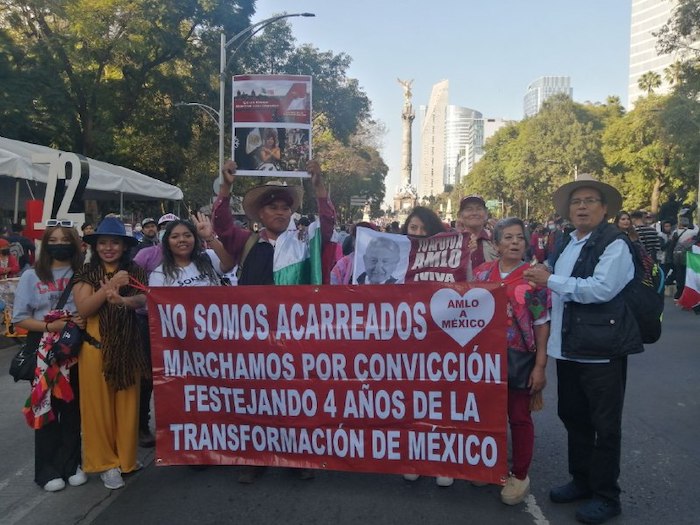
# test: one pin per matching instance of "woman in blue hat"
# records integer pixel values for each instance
(112, 364)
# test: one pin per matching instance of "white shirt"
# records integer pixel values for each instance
(187, 276)
(612, 273)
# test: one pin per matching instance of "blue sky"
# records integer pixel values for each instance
(490, 50)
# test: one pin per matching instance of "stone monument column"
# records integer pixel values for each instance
(406, 197)
(407, 116)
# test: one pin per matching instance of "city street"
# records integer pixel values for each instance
(660, 465)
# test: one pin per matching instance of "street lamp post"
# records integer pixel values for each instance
(239, 38)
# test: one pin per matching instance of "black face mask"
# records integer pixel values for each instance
(5, 252)
(61, 252)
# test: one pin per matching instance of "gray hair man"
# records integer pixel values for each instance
(592, 332)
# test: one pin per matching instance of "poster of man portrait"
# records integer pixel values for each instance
(380, 258)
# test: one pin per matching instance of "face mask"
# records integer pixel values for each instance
(61, 252)
(5, 252)
(161, 234)
(551, 227)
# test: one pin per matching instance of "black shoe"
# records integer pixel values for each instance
(597, 511)
(568, 493)
(146, 439)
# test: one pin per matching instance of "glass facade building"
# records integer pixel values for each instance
(543, 88)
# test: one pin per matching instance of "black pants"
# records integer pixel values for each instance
(146, 382)
(57, 444)
(679, 272)
(591, 397)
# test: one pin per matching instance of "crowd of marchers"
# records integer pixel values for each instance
(90, 413)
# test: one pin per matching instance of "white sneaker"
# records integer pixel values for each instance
(137, 466)
(411, 477)
(112, 479)
(55, 485)
(443, 481)
(77, 479)
(515, 490)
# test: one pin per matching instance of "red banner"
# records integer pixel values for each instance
(393, 379)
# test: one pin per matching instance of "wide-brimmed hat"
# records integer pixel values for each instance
(613, 199)
(112, 227)
(260, 196)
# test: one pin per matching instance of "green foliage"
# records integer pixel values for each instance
(526, 161)
(101, 77)
(649, 153)
(680, 36)
(649, 81)
(682, 31)
(352, 168)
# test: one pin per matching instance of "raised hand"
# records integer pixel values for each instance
(314, 169)
(205, 230)
(229, 172)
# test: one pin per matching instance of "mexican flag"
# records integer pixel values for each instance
(297, 258)
(690, 297)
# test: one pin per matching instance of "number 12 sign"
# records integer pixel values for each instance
(68, 176)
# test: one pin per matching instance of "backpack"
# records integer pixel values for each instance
(680, 249)
(644, 294)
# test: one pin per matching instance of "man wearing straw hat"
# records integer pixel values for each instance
(258, 254)
(272, 205)
(592, 333)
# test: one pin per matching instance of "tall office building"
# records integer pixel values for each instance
(432, 136)
(648, 16)
(543, 88)
(481, 130)
(464, 129)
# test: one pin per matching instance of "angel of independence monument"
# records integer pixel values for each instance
(406, 196)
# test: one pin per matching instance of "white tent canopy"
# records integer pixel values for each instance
(107, 181)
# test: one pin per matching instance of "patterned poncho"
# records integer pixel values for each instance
(123, 360)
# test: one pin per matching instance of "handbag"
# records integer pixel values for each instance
(67, 345)
(23, 363)
(70, 340)
(520, 364)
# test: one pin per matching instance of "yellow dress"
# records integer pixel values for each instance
(109, 417)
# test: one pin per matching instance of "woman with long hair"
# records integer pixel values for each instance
(422, 222)
(527, 336)
(623, 221)
(108, 290)
(52, 408)
(185, 260)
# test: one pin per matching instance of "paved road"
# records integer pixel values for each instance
(660, 469)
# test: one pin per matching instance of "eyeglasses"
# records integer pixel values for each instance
(588, 201)
(59, 222)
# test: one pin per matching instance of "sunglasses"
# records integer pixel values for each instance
(59, 222)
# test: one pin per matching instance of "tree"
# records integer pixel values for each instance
(526, 161)
(674, 73)
(642, 158)
(682, 31)
(352, 168)
(649, 81)
(680, 36)
(102, 78)
(95, 65)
